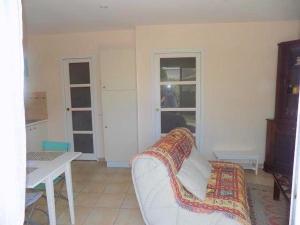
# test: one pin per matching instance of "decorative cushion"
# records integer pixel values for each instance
(201, 163)
(192, 179)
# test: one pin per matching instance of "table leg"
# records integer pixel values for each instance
(256, 167)
(69, 186)
(50, 200)
(276, 192)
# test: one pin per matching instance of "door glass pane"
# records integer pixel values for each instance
(83, 143)
(178, 69)
(178, 96)
(82, 120)
(79, 73)
(171, 120)
(80, 97)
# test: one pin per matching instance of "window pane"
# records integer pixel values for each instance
(79, 73)
(83, 143)
(82, 121)
(178, 96)
(171, 120)
(178, 69)
(80, 97)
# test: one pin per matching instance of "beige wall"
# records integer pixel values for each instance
(238, 75)
(238, 79)
(44, 53)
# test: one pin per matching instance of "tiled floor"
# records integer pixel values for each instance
(105, 196)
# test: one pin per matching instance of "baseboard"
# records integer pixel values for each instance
(116, 164)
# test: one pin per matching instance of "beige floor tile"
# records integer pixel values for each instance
(131, 189)
(99, 177)
(94, 187)
(129, 217)
(116, 188)
(87, 199)
(130, 202)
(118, 178)
(110, 200)
(125, 171)
(81, 214)
(77, 186)
(102, 216)
(40, 218)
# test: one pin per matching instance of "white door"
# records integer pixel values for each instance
(178, 92)
(80, 106)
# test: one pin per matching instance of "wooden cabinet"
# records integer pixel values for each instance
(281, 130)
(35, 134)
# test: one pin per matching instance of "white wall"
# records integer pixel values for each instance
(44, 53)
(238, 78)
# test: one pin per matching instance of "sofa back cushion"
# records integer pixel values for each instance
(177, 145)
(201, 163)
(192, 179)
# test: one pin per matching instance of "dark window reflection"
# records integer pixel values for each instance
(171, 120)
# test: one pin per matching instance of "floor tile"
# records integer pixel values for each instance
(87, 199)
(110, 200)
(94, 187)
(116, 188)
(81, 214)
(130, 202)
(129, 217)
(102, 216)
(131, 189)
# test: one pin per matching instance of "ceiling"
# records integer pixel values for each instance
(58, 16)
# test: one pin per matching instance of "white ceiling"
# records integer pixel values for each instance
(56, 16)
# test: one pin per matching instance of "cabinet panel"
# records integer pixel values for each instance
(35, 134)
(120, 125)
(284, 145)
(118, 69)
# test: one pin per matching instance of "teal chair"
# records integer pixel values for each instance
(55, 146)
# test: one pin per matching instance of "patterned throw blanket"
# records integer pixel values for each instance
(226, 190)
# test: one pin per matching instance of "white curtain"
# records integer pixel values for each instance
(12, 121)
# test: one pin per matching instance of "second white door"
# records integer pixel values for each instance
(80, 106)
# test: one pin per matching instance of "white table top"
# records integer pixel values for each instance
(44, 165)
(236, 154)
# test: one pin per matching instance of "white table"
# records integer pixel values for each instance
(239, 157)
(44, 167)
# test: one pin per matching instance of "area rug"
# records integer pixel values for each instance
(263, 209)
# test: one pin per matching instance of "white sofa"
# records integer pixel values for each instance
(157, 198)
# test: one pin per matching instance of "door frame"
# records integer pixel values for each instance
(199, 87)
(66, 99)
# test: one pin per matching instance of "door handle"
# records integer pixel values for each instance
(68, 109)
